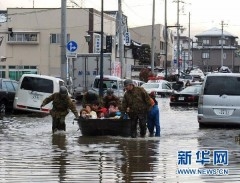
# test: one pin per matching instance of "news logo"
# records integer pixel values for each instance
(217, 158)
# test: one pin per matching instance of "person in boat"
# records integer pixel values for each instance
(90, 97)
(83, 113)
(91, 113)
(136, 102)
(153, 118)
(113, 110)
(61, 104)
(101, 111)
(110, 97)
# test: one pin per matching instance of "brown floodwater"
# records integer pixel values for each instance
(30, 153)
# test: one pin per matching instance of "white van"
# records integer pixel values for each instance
(33, 89)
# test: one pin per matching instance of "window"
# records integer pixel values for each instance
(206, 42)
(56, 38)
(222, 85)
(37, 84)
(205, 55)
(9, 86)
(23, 38)
(220, 41)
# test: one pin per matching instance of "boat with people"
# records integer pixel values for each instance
(105, 126)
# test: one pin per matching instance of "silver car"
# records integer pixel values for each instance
(219, 100)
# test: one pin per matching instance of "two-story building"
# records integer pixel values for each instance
(214, 48)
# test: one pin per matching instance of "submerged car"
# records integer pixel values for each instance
(161, 88)
(8, 89)
(187, 97)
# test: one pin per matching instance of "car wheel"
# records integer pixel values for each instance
(2, 108)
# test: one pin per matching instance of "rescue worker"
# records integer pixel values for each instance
(110, 97)
(61, 104)
(136, 102)
(90, 97)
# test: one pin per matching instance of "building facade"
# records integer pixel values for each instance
(214, 48)
(143, 35)
(31, 38)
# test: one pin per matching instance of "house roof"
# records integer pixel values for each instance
(215, 32)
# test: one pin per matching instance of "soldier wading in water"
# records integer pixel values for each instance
(136, 102)
(61, 105)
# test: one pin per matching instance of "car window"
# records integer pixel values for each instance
(15, 84)
(192, 89)
(9, 86)
(152, 85)
(166, 86)
(37, 84)
(219, 85)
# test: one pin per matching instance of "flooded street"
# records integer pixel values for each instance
(30, 153)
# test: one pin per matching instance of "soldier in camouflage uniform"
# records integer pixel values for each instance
(61, 105)
(136, 102)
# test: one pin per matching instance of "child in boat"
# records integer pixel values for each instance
(113, 110)
(91, 113)
(101, 111)
(84, 113)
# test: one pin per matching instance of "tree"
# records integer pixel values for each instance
(145, 55)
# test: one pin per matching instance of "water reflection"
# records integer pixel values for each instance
(129, 160)
(221, 139)
(59, 159)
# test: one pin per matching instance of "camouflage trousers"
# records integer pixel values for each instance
(58, 123)
(142, 120)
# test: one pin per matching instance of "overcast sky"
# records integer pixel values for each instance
(205, 14)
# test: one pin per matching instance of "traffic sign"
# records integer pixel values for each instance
(72, 46)
(71, 55)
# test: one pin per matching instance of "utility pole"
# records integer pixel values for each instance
(166, 39)
(101, 54)
(189, 39)
(120, 41)
(222, 24)
(178, 39)
(63, 41)
(153, 37)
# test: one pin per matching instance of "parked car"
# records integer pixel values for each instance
(161, 88)
(33, 89)
(219, 100)
(187, 97)
(8, 89)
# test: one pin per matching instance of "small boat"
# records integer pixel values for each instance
(106, 126)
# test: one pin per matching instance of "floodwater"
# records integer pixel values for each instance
(30, 153)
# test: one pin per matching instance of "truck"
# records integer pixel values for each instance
(84, 70)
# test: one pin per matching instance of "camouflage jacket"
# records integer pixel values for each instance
(61, 105)
(137, 100)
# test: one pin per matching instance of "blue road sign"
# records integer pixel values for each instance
(72, 46)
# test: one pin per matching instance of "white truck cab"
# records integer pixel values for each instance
(113, 82)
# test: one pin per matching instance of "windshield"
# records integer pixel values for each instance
(114, 84)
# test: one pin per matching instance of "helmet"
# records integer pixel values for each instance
(63, 90)
(127, 82)
(110, 91)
